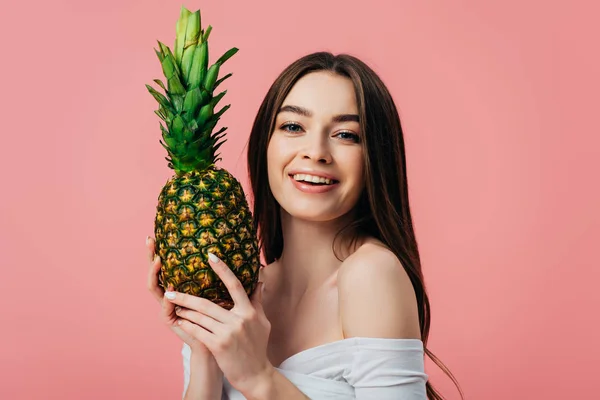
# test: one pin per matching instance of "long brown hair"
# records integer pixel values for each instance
(383, 210)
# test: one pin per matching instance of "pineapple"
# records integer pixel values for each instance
(202, 208)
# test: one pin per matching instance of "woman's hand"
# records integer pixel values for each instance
(238, 337)
(167, 313)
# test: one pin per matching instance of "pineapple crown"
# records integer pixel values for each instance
(189, 104)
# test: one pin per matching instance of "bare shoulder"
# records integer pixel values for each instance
(376, 296)
(268, 275)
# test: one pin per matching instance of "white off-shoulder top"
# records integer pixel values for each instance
(355, 368)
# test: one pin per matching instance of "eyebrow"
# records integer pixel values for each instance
(307, 113)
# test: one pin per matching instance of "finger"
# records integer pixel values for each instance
(196, 332)
(200, 305)
(150, 247)
(200, 319)
(152, 283)
(182, 335)
(168, 312)
(232, 283)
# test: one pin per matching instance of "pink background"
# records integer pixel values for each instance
(497, 103)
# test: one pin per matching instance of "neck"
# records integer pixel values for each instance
(308, 260)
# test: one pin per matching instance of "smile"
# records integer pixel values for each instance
(313, 184)
(313, 179)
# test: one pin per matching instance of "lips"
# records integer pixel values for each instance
(313, 179)
(312, 188)
(312, 172)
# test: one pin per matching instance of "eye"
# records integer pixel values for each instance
(349, 136)
(291, 127)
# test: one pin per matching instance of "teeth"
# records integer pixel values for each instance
(312, 178)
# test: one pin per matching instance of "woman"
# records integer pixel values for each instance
(342, 310)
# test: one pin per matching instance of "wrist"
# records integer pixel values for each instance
(205, 361)
(263, 387)
(201, 353)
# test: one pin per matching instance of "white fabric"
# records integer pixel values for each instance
(349, 369)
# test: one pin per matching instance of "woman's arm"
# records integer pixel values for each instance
(274, 386)
(203, 379)
(199, 368)
(237, 338)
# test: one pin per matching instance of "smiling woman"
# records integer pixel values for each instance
(342, 311)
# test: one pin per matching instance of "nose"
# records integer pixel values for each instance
(316, 148)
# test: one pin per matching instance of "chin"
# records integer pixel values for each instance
(315, 214)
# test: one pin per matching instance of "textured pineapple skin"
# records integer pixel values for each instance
(201, 212)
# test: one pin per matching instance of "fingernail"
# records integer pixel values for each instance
(213, 258)
(177, 309)
(156, 258)
(170, 295)
(147, 240)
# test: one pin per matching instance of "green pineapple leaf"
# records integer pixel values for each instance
(215, 139)
(181, 28)
(217, 145)
(192, 101)
(209, 126)
(161, 84)
(220, 131)
(218, 135)
(169, 113)
(169, 55)
(205, 155)
(168, 148)
(206, 34)
(186, 62)
(227, 55)
(211, 77)
(170, 142)
(222, 110)
(163, 101)
(199, 143)
(192, 125)
(168, 67)
(179, 150)
(166, 135)
(198, 69)
(188, 135)
(160, 55)
(206, 112)
(175, 86)
(177, 101)
(192, 36)
(218, 97)
(177, 128)
(218, 82)
(160, 114)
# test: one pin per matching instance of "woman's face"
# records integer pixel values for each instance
(314, 157)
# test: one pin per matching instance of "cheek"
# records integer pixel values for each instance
(271, 153)
(271, 160)
(356, 175)
(276, 161)
(357, 168)
(279, 151)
